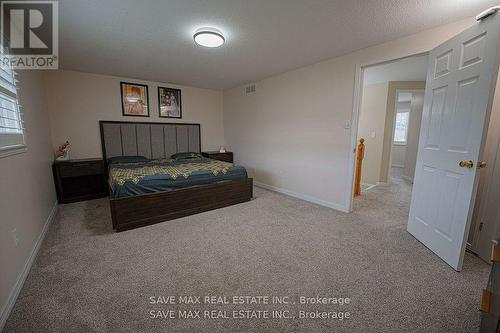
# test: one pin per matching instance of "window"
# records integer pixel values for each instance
(11, 123)
(401, 131)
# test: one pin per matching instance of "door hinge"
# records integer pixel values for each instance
(481, 226)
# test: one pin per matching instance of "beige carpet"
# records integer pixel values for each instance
(88, 279)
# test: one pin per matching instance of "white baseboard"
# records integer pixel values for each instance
(5, 312)
(368, 186)
(398, 166)
(301, 196)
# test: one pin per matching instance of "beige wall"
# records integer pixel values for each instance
(417, 107)
(371, 128)
(27, 190)
(290, 133)
(77, 101)
(398, 155)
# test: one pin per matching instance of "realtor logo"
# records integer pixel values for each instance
(29, 34)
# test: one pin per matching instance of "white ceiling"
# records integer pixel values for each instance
(409, 69)
(152, 39)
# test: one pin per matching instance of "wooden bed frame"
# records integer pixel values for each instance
(136, 211)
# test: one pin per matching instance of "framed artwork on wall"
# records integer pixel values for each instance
(134, 99)
(169, 102)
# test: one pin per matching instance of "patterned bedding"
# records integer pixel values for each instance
(130, 179)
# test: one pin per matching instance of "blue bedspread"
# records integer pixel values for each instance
(129, 179)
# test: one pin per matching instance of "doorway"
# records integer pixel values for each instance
(485, 228)
(390, 110)
(485, 224)
(406, 130)
(462, 73)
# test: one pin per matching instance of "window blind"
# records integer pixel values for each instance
(12, 131)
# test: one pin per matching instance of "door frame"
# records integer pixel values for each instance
(490, 154)
(393, 127)
(356, 105)
(482, 203)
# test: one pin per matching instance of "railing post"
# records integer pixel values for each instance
(360, 154)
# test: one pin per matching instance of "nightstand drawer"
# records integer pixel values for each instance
(77, 169)
(225, 157)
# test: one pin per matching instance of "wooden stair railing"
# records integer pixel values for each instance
(360, 154)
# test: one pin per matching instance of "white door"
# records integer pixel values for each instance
(457, 102)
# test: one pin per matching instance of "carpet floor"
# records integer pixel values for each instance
(86, 278)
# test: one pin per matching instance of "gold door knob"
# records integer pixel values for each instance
(466, 164)
(481, 164)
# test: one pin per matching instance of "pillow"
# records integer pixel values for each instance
(185, 156)
(127, 159)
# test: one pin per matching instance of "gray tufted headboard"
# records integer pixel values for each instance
(152, 140)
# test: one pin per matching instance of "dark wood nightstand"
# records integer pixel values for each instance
(79, 180)
(226, 157)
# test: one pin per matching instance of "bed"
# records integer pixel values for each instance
(147, 186)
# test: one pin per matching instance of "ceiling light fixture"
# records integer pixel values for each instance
(209, 37)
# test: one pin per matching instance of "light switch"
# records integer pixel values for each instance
(373, 135)
(347, 125)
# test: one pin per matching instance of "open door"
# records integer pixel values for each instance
(460, 85)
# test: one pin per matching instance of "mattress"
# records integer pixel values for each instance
(131, 179)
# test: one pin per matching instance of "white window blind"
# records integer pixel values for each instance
(401, 130)
(11, 122)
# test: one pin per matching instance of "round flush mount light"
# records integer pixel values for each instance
(208, 37)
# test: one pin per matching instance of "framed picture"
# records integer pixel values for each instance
(135, 99)
(169, 102)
